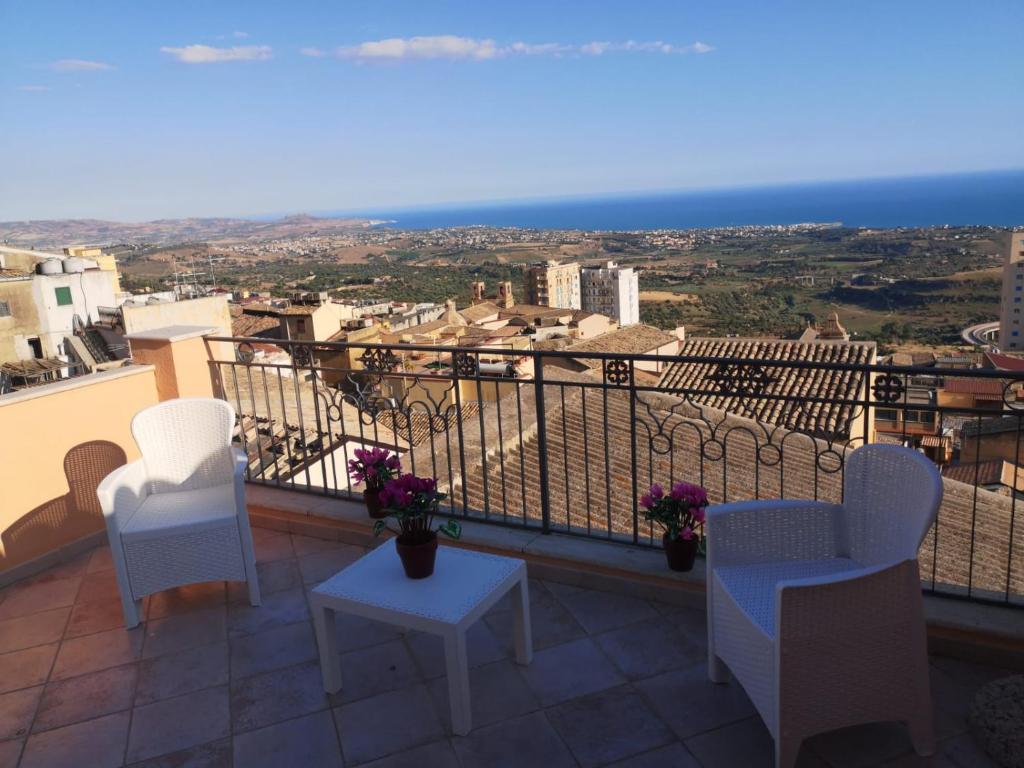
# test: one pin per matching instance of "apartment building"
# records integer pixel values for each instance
(613, 291)
(44, 299)
(1011, 317)
(551, 284)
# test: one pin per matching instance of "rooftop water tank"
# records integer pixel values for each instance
(73, 264)
(50, 267)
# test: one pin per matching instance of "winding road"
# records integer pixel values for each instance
(982, 334)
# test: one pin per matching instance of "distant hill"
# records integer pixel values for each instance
(55, 233)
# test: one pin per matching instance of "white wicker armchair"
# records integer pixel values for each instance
(817, 609)
(177, 516)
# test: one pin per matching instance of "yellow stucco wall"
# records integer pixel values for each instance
(22, 323)
(182, 367)
(56, 443)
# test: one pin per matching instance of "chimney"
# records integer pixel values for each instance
(478, 292)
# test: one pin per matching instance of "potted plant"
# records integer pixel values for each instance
(681, 514)
(374, 467)
(412, 502)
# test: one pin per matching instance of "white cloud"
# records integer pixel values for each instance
(316, 53)
(599, 48)
(240, 35)
(454, 47)
(436, 47)
(207, 54)
(34, 88)
(78, 65)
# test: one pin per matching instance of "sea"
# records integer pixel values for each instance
(990, 198)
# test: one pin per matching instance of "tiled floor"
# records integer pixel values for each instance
(210, 681)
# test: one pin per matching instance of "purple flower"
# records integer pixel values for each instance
(687, 533)
(657, 491)
(646, 501)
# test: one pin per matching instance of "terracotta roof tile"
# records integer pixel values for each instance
(701, 382)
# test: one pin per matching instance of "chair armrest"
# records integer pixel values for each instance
(122, 492)
(747, 532)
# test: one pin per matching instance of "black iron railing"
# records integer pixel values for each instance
(566, 442)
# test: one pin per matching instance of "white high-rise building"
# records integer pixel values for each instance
(1011, 314)
(613, 291)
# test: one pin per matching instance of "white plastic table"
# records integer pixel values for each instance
(465, 584)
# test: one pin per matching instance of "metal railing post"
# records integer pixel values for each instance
(542, 443)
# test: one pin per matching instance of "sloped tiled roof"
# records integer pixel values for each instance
(478, 312)
(251, 325)
(975, 386)
(631, 340)
(793, 386)
(1005, 362)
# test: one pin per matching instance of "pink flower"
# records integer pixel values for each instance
(657, 491)
(687, 533)
(699, 514)
(646, 501)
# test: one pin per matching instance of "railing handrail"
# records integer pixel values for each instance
(980, 373)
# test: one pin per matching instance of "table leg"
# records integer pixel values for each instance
(457, 663)
(327, 642)
(521, 615)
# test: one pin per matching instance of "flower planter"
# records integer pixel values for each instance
(371, 497)
(680, 553)
(418, 557)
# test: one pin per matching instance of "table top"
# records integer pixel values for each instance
(462, 579)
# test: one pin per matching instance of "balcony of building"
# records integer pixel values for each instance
(546, 469)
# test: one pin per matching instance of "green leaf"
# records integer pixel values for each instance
(379, 527)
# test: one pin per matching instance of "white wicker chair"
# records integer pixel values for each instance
(817, 609)
(177, 516)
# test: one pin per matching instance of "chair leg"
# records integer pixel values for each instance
(132, 611)
(249, 558)
(787, 750)
(718, 672)
(254, 589)
(922, 731)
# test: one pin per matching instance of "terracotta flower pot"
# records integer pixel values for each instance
(418, 558)
(680, 553)
(371, 497)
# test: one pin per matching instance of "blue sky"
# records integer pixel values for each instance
(136, 110)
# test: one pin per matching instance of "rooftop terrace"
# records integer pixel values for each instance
(545, 468)
(208, 680)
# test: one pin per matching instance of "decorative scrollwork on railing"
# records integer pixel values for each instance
(245, 353)
(741, 379)
(379, 360)
(466, 365)
(888, 388)
(1011, 396)
(616, 372)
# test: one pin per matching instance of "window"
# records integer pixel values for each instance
(886, 414)
(1015, 333)
(37, 348)
(301, 325)
(5, 309)
(63, 296)
(1016, 300)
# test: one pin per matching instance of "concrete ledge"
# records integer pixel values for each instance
(75, 382)
(172, 333)
(985, 633)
